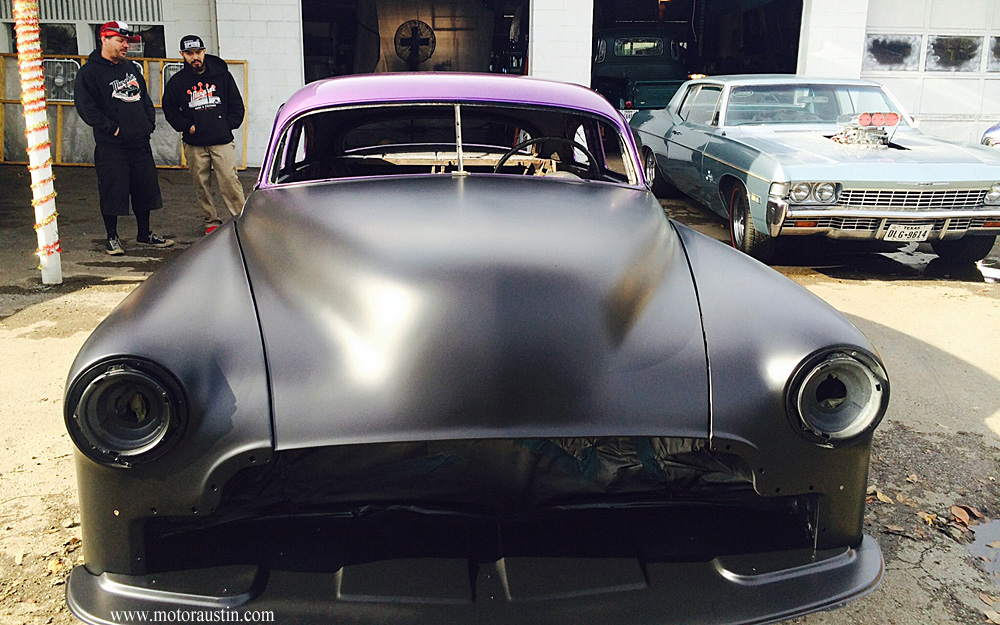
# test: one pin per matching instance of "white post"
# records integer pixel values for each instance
(561, 39)
(36, 131)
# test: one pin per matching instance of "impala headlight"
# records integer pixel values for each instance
(825, 192)
(800, 192)
(838, 395)
(813, 192)
(124, 412)
(993, 195)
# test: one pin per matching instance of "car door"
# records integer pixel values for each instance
(686, 141)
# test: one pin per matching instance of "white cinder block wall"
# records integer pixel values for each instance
(189, 17)
(831, 36)
(268, 35)
(560, 40)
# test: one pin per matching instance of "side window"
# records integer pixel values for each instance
(701, 105)
(580, 136)
(613, 145)
(685, 110)
(292, 153)
(606, 144)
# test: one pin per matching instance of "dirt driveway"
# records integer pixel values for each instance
(938, 330)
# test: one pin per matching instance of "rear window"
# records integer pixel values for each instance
(638, 46)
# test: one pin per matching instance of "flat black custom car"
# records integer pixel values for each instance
(452, 364)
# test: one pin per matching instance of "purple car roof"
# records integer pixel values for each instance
(442, 87)
(449, 87)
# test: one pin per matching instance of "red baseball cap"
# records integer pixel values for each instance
(121, 29)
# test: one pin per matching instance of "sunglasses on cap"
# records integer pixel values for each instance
(111, 31)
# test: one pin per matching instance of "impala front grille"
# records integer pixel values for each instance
(912, 200)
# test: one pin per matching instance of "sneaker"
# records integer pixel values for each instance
(155, 240)
(114, 247)
(210, 229)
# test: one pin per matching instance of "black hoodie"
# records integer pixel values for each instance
(209, 101)
(112, 96)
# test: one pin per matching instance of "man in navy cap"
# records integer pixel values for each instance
(203, 103)
(111, 97)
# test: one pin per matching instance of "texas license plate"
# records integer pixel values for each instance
(905, 232)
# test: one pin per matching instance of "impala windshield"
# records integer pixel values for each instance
(803, 103)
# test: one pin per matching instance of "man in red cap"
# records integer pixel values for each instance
(111, 97)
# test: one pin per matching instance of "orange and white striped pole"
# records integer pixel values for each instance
(36, 131)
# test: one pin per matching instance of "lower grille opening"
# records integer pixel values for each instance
(647, 532)
(646, 499)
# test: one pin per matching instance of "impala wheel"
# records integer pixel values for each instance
(742, 233)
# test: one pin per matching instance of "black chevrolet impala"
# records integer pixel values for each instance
(452, 364)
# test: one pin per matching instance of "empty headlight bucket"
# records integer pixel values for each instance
(838, 395)
(825, 192)
(124, 412)
(800, 192)
(993, 195)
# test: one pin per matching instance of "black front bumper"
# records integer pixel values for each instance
(756, 588)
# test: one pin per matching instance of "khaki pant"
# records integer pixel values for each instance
(201, 160)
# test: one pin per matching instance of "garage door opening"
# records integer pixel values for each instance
(371, 36)
(644, 49)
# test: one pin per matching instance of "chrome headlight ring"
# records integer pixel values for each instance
(837, 395)
(993, 195)
(125, 412)
(825, 192)
(800, 192)
(813, 192)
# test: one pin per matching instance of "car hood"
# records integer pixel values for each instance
(440, 307)
(918, 156)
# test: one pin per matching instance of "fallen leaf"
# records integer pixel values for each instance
(993, 616)
(19, 558)
(995, 544)
(55, 566)
(988, 600)
(906, 501)
(928, 518)
(911, 478)
(961, 514)
(883, 497)
(896, 529)
(972, 511)
(871, 490)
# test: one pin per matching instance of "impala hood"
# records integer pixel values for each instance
(439, 307)
(910, 156)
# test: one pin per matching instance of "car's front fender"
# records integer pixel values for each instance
(759, 329)
(194, 318)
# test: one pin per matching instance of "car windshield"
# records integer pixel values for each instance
(803, 103)
(434, 138)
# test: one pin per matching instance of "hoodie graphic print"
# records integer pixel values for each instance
(126, 90)
(203, 97)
